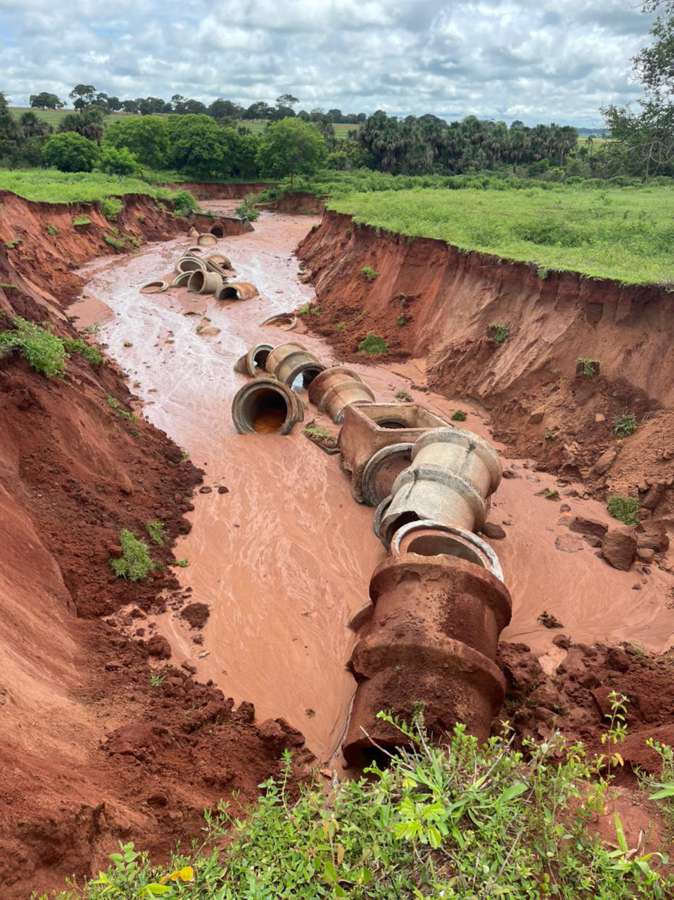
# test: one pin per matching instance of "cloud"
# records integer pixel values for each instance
(538, 60)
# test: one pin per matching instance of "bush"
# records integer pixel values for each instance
(247, 210)
(146, 137)
(155, 529)
(373, 345)
(184, 203)
(459, 416)
(70, 152)
(625, 509)
(290, 147)
(369, 273)
(135, 563)
(625, 425)
(77, 345)
(118, 161)
(111, 207)
(587, 367)
(499, 333)
(200, 148)
(43, 350)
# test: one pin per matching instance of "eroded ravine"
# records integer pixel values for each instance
(285, 556)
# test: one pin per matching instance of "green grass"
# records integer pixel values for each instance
(373, 345)
(625, 425)
(624, 233)
(156, 531)
(460, 821)
(625, 509)
(135, 563)
(44, 351)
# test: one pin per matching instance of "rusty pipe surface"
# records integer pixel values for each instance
(267, 406)
(431, 639)
(451, 476)
(335, 388)
(287, 362)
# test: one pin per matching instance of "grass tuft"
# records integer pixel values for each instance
(135, 563)
(156, 531)
(43, 350)
(625, 425)
(369, 273)
(625, 509)
(373, 345)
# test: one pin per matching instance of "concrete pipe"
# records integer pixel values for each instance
(181, 279)
(431, 640)
(207, 240)
(428, 538)
(237, 290)
(381, 471)
(367, 427)
(288, 362)
(190, 264)
(266, 406)
(192, 251)
(335, 388)
(155, 287)
(452, 474)
(217, 261)
(252, 363)
(285, 321)
(202, 282)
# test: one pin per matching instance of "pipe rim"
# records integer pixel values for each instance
(468, 439)
(373, 465)
(294, 412)
(494, 564)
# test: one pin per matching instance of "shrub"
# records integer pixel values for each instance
(43, 350)
(52, 230)
(135, 563)
(369, 273)
(587, 367)
(403, 396)
(111, 207)
(117, 243)
(625, 425)
(70, 152)
(459, 416)
(625, 509)
(155, 529)
(247, 210)
(119, 410)
(499, 333)
(290, 147)
(118, 161)
(146, 137)
(184, 203)
(77, 345)
(373, 345)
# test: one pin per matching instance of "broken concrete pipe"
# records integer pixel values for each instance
(451, 476)
(285, 321)
(155, 287)
(190, 264)
(368, 427)
(202, 282)
(253, 362)
(207, 240)
(237, 290)
(335, 388)
(182, 279)
(431, 639)
(427, 538)
(217, 261)
(266, 406)
(381, 471)
(290, 362)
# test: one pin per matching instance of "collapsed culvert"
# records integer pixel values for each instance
(190, 264)
(237, 290)
(284, 321)
(266, 406)
(334, 388)
(294, 365)
(155, 287)
(253, 362)
(451, 476)
(431, 640)
(209, 239)
(182, 279)
(217, 231)
(202, 282)
(381, 471)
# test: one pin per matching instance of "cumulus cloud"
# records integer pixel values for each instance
(536, 60)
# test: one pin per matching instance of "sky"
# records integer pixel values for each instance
(534, 60)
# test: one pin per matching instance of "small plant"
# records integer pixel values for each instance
(155, 529)
(184, 456)
(625, 509)
(543, 273)
(81, 221)
(247, 210)
(402, 320)
(373, 345)
(662, 786)
(550, 435)
(499, 333)
(340, 326)
(42, 349)
(117, 243)
(617, 728)
(184, 204)
(135, 563)
(549, 494)
(403, 396)
(52, 230)
(586, 367)
(111, 207)
(119, 410)
(625, 425)
(308, 309)
(459, 416)
(369, 273)
(183, 563)
(11, 245)
(76, 345)
(156, 680)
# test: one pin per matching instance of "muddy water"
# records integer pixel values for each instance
(284, 557)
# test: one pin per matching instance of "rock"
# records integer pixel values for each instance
(619, 547)
(537, 416)
(568, 543)
(222, 489)
(246, 712)
(207, 330)
(652, 535)
(604, 462)
(645, 554)
(653, 496)
(599, 418)
(205, 489)
(617, 659)
(591, 528)
(562, 640)
(564, 508)
(510, 473)
(158, 647)
(277, 734)
(196, 614)
(493, 531)
(548, 620)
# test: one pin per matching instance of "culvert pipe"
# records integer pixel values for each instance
(252, 363)
(381, 471)
(203, 282)
(266, 406)
(334, 388)
(218, 261)
(451, 476)
(190, 264)
(288, 362)
(431, 640)
(155, 287)
(208, 239)
(181, 279)
(428, 538)
(237, 290)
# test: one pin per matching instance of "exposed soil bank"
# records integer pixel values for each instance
(433, 302)
(91, 751)
(208, 191)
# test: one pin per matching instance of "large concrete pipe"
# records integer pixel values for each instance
(452, 474)
(190, 264)
(287, 362)
(381, 471)
(428, 538)
(203, 282)
(237, 290)
(368, 427)
(252, 363)
(431, 640)
(265, 405)
(335, 388)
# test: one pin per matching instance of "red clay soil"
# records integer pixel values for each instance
(431, 301)
(93, 752)
(208, 191)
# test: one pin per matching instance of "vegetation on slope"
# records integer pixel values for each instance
(621, 233)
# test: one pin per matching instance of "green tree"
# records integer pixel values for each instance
(291, 147)
(147, 137)
(88, 122)
(201, 148)
(70, 152)
(10, 135)
(83, 95)
(45, 101)
(118, 161)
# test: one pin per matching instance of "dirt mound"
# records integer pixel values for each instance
(430, 301)
(97, 745)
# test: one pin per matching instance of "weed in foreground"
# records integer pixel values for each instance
(625, 509)
(156, 531)
(625, 425)
(369, 273)
(135, 563)
(459, 416)
(373, 345)
(587, 367)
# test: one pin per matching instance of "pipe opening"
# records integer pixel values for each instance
(392, 423)
(266, 410)
(260, 358)
(196, 281)
(305, 377)
(403, 519)
(443, 545)
(363, 755)
(218, 231)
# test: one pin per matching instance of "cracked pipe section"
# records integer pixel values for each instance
(335, 388)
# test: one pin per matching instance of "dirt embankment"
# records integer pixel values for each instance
(94, 750)
(299, 203)
(430, 301)
(208, 191)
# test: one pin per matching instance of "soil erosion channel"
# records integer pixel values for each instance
(283, 558)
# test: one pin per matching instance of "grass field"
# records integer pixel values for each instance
(622, 233)
(55, 116)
